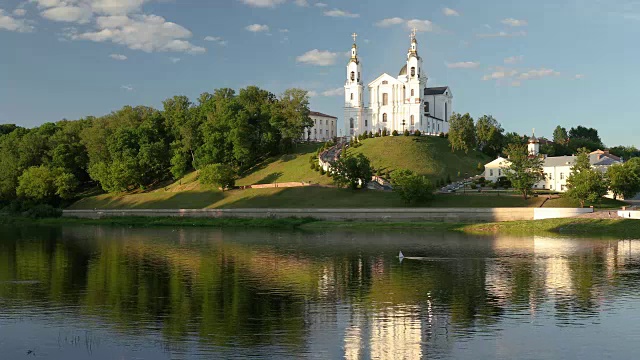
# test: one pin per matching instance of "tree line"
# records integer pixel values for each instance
(139, 147)
(487, 135)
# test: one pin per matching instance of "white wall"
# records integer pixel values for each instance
(324, 128)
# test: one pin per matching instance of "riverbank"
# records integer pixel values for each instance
(582, 227)
(579, 227)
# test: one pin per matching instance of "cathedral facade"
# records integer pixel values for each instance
(397, 103)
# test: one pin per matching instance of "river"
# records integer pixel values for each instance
(97, 292)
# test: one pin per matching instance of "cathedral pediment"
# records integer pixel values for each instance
(384, 77)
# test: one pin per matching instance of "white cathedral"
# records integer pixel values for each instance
(396, 103)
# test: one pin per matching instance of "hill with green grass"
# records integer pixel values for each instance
(425, 155)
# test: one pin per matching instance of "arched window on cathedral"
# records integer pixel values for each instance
(384, 117)
(351, 96)
(412, 120)
(353, 76)
(385, 99)
(426, 107)
(413, 71)
(351, 123)
(412, 93)
(446, 112)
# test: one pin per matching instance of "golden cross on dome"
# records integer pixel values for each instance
(354, 37)
(414, 32)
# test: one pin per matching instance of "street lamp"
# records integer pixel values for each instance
(403, 125)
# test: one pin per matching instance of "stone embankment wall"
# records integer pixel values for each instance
(629, 214)
(377, 215)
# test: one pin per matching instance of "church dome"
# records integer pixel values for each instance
(403, 71)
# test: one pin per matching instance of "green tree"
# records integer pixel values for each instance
(585, 184)
(411, 188)
(43, 184)
(462, 132)
(560, 135)
(585, 133)
(220, 175)
(292, 116)
(352, 171)
(623, 180)
(490, 136)
(523, 171)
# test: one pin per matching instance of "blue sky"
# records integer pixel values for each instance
(531, 64)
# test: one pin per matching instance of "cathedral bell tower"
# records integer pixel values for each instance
(353, 94)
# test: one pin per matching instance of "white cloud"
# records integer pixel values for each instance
(463, 65)
(514, 22)
(263, 3)
(284, 30)
(317, 57)
(500, 73)
(419, 25)
(257, 28)
(333, 92)
(340, 13)
(119, 57)
(174, 59)
(579, 76)
(19, 12)
(513, 59)
(450, 12)
(515, 77)
(537, 74)
(127, 87)
(302, 3)
(80, 14)
(321, 5)
(312, 93)
(216, 39)
(503, 34)
(12, 24)
(149, 33)
(390, 22)
(65, 9)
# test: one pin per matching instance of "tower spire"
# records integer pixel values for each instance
(354, 35)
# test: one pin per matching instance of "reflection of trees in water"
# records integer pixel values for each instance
(228, 287)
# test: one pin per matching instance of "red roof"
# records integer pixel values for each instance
(315, 113)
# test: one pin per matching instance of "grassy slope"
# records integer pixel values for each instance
(614, 228)
(286, 168)
(308, 197)
(563, 202)
(426, 155)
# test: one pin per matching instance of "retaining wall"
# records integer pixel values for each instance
(391, 215)
(629, 214)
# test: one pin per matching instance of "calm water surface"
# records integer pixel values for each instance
(122, 293)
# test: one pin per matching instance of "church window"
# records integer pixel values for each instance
(365, 122)
(351, 123)
(412, 120)
(358, 75)
(446, 112)
(413, 71)
(351, 96)
(561, 176)
(385, 82)
(425, 91)
(385, 99)
(490, 172)
(353, 76)
(384, 117)
(412, 94)
(426, 107)
(326, 122)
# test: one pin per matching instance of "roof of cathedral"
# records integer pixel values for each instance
(403, 71)
(315, 113)
(436, 90)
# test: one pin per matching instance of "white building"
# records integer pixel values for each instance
(325, 127)
(556, 168)
(395, 103)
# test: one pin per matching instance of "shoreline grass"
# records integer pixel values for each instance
(581, 227)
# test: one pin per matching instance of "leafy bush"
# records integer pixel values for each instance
(220, 175)
(411, 188)
(417, 133)
(42, 211)
(482, 180)
(322, 172)
(352, 171)
(480, 167)
(406, 133)
(441, 135)
(473, 186)
(384, 132)
(395, 133)
(449, 179)
(503, 182)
